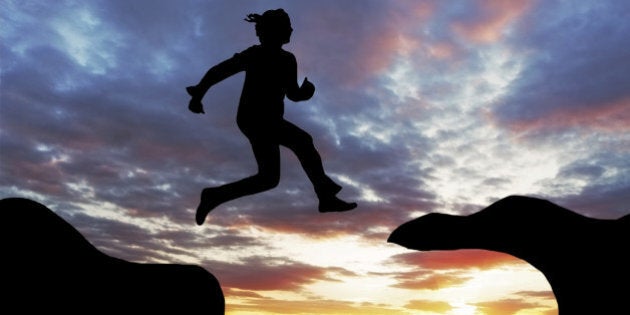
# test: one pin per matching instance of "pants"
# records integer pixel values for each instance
(266, 142)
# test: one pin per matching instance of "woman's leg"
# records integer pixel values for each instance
(301, 143)
(267, 154)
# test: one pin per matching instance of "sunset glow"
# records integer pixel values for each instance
(420, 107)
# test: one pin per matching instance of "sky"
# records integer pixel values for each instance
(421, 106)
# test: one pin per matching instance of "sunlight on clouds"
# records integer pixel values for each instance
(86, 40)
(367, 193)
(469, 179)
(136, 172)
(161, 64)
(363, 289)
(370, 130)
(501, 66)
(327, 122)
(110, 211)
(82, 188)
(61, 158)
(41, 147)
(282, 295)
(492, 284)
(403, 81)
(462, 309)
(164, 187)
(474, 157)
(340, 252)
(33, 195)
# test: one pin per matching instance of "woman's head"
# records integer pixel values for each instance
(273, 26)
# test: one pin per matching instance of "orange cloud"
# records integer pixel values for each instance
(494, 17)
(458, 259)
(537, 294)
(235, 293)
(260, 274)
(423, 280)
(430, 306)
(506, 307)
(311, 306)
(443, 50)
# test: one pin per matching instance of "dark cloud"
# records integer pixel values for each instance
(605, 189)
(123, 240)
(588, 171)
(601, 200)
(576, 69)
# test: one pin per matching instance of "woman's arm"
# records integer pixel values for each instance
(217, 74)
(294, 92)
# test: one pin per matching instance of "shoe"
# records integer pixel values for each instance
(330, 190)
(336, 188)
(334, 204)
(207, 203)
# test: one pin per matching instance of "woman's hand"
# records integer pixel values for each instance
(194, 105)
(307, 89)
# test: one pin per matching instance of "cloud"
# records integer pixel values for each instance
(356, 45)
(505, 307)
(605, 200)
(313, 306)
(491, 21)
(575, 74)
(606, 118)
(258, 273)
(423, 280)
(436, 270)
(429, 306)
(459, 259)
(544, 295)
(595, 185)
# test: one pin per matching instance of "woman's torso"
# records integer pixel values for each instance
(266, 81)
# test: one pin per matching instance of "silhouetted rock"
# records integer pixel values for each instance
(49, 266)
(585, 260)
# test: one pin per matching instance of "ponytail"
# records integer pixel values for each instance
(253, 18)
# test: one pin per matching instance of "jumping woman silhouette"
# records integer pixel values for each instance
(270, 75)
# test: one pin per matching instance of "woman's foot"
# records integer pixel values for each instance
(329, 189)
(208, 202)
(335, 188)
(334, 204)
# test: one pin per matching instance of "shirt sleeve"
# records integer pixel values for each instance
(225, 69)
